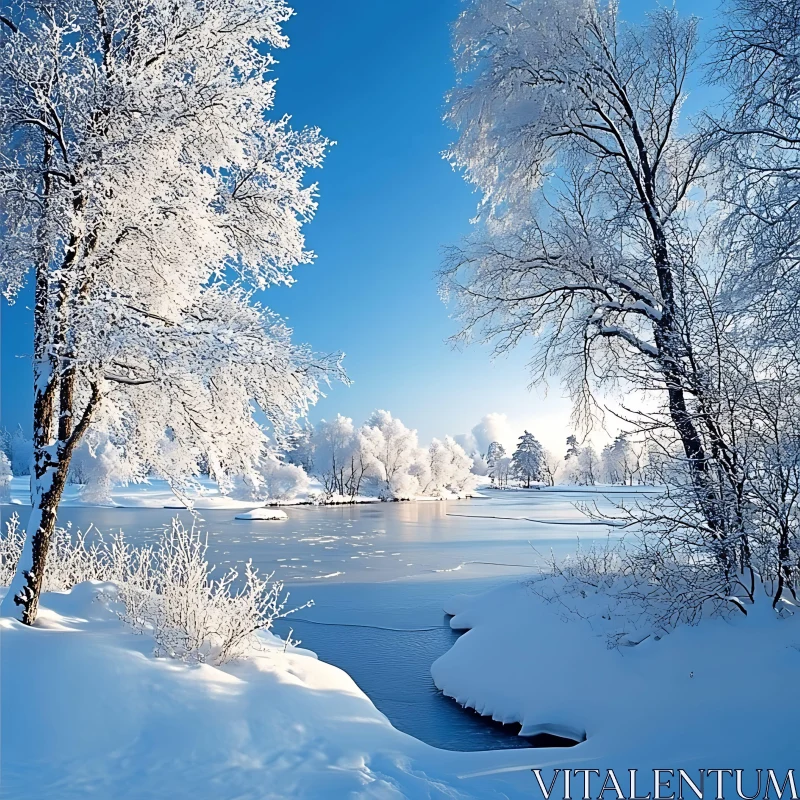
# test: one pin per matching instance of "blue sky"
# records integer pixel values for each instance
(372, 74)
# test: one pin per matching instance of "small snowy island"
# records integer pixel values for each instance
(263, 514)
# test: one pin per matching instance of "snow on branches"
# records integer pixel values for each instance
(147, 189)
(640, 251)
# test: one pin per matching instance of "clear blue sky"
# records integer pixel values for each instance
(372, 74)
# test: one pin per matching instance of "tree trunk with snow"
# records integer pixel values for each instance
(140, 171)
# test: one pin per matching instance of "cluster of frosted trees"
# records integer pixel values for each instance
(620, 463)
(382, 458)
(643, 252)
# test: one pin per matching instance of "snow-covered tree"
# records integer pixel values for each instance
(147, 191)
(758, 142)
(300, 448)
(20, 452)
(552, 466)
(495, 452)
(338, 459)
(588, 238)
(619, 462)
(446, 468)
(573, 448)
(588, 466)
(502, 472)
(5, 477)
(390, 450)
(639, 250)
(98, 465)
(571, 460)
(582, 466)
(527, 459)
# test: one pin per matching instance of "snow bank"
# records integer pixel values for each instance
(704, 696)
(263, 513)
(153, 494)
(88, 712)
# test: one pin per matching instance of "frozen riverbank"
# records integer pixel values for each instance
(205, 495)
(88, 712)
(703, 696)
(296, 724)
(374, 568)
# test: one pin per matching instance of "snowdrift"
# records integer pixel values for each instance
(89, 712)
(703, 696)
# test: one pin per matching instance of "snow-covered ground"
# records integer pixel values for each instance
(719, 694)
(87, 711)
(205, 496)
(154, 494)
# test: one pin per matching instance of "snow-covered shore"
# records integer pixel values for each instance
(713, 695)
(88, 711)
(205, 497)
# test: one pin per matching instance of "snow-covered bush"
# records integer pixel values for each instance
(192, 616)
(71, 559)
(165, 590)
(390, 452)
(643, 589)
(5, 477)
(280, 481)
(10, 549)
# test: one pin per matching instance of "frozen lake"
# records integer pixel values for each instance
(379, 575)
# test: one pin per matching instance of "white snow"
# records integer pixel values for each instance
(705, 696)
(263, 514)
(88, 712)
(154, 493)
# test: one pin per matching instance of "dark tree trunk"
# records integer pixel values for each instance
(48, 480)
(45, 511)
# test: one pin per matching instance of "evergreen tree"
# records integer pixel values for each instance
(527, 459)
(573, 448)
(494, 455)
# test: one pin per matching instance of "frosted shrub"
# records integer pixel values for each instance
(164, 590)
(282, 481)
(73, 560)
(192, 616)
(646, 588)
(10, 549)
